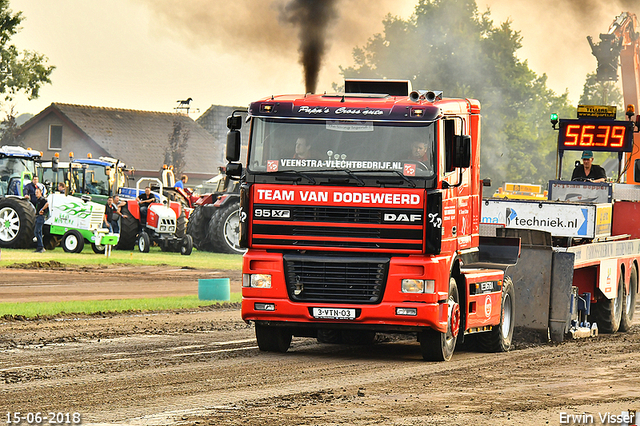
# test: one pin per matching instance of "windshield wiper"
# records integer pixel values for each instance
(406, 179)
(295, 172)
(347, 171)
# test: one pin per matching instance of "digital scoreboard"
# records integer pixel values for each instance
(596, 135)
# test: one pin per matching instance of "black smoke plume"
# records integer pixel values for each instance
(312, 18)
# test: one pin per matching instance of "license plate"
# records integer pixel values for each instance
(334, 313)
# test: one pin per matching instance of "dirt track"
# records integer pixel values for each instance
(203, 367)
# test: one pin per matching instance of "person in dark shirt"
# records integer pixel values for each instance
(110, 212)
(42, 209)
(30, 189)
(144, 200)
(587, 171)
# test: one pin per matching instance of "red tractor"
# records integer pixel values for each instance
(165, 223)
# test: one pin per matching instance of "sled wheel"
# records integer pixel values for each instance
(607, 313)
(629, 300)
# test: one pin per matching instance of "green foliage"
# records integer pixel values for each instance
(448, 45)
(23, 71)
(596, 92)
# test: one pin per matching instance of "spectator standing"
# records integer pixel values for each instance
(30, 189)
(42, 209)
(109, 215)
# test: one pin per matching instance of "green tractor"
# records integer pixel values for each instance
(17, 214)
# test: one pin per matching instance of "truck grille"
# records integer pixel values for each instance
(307, 227)
(335, 280)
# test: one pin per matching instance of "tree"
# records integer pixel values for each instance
(595, 92)
(177, 149)
(448, 45)
(19, 72)
(9, 129)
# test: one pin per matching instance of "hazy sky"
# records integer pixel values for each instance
(147, 54)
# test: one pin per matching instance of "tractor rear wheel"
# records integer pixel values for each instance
(128, 230)
(198, 228)
(181, 224)
(17, 222)
(224, 229)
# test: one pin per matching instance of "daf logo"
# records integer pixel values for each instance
(402, 217)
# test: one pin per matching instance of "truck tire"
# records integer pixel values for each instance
(499, 338)
(607, 313)
(437, 346)
(273, 339)
(198, 228)
(72, 241)
(17, 222)
(629, 300)
(128, 230)
(181, 224)
(224, 229)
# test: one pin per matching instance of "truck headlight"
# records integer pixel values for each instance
(418, 286)
(256, 280)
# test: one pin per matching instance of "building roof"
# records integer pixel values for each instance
(138, 138)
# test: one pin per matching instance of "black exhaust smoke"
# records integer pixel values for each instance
(312, 17)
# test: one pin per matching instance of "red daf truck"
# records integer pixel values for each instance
(360, 212)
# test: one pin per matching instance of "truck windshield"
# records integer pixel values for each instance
(11, 169)
(308, 145)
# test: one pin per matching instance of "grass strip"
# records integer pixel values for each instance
(197, 259)
(36, 309)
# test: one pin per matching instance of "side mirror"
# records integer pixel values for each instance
(234, 169)
(233, 145)
(636, 171)
(54, 164)
(234, 122)
(461, 151)
(486, 182)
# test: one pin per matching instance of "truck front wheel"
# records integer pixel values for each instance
(629, 301)
(273, 339)
(607, 313)
(499, 338)
(437, 346)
